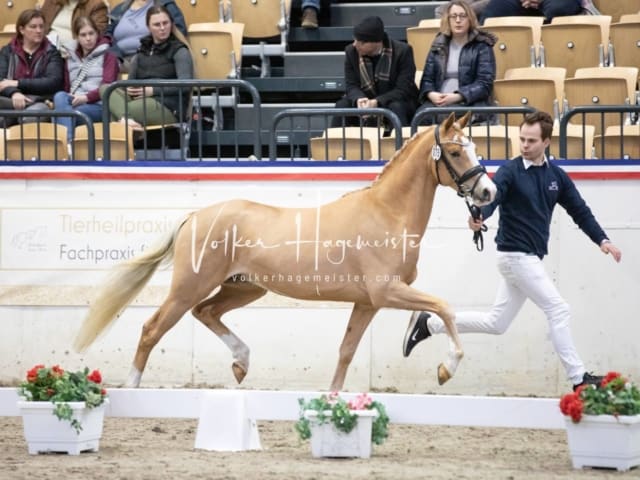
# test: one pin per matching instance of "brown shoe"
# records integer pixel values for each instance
(309, 18)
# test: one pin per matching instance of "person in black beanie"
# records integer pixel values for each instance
(379, 73)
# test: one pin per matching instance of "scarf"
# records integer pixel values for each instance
(369, 78)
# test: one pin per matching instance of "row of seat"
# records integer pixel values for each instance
(48, 141)
(495, 142)
(570, 42)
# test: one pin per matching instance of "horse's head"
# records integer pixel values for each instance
(457, 154)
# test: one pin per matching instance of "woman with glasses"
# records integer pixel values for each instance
(460, 67)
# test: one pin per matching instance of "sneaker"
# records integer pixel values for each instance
(309, 18)
(416, 331)
(589, 379)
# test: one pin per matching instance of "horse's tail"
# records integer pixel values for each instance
(123, 285)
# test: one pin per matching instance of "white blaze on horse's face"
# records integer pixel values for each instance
(479, 187)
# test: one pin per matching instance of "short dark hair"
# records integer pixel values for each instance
(544, 119)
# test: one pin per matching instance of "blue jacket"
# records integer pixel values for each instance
(527, 198)
(476, 70)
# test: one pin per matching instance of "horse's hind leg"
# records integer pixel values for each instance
(360, 319)
(209, 311)
(162, 320)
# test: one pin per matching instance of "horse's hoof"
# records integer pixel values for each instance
(443, 374)
(239, 372)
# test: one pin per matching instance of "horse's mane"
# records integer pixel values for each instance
(409, 144)
(406, 146)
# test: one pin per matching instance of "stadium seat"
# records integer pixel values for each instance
(202, 11)
(595, 91)
(36, 141)
(120, 142)
(10, 10)
(348, 143)
(541, 88)
(421, 37)
(7, 34)
(494, 142)
(518, 41)
(625, 44)
(217, 53)
(217, 49)
(579, 141)
(263, 20)
(617, 146)
(617, 8)
(574, 42)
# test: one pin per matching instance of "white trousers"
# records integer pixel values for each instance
(523, 276)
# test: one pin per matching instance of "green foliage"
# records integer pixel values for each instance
(332, 408)
(44, 384)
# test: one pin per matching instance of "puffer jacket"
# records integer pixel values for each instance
(476, 69)
(176, 14)
(42, 78)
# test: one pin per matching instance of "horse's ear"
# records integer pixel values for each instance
(446, 125)
(463, 121)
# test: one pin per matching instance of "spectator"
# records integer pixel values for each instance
(127, 26)
(60, 15)
(164, 54)
(310, 10)
(89, 65)
(460, 67)
(476, 5)
(529, 187)
(538, 8)
(31, 69)
(378, 72)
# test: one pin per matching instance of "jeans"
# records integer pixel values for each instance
(523, 276)
(62, 103)
(311, 3)
(548, 9)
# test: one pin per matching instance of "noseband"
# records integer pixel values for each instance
(478, 170)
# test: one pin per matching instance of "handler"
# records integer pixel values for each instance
(528, 189)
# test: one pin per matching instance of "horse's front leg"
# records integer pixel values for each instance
(402, 296)
(361, 316)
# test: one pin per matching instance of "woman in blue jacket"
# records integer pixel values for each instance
(460, 67)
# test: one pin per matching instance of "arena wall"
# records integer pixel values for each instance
(61, 233)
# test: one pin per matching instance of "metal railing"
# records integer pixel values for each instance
(42, 118)
(627, 115)
(384, 120)
(218, 93)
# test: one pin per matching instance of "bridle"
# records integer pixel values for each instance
(437, 153)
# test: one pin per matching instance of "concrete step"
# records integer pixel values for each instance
(314, 64)
(406, 14)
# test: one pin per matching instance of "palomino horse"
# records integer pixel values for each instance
(361, 248)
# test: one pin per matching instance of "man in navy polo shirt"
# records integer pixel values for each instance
(529, 187)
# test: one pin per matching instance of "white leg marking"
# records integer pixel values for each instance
(135, 375)
(238, 349)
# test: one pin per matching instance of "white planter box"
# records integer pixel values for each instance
(44, 432)
(327, 441)
(604, 441)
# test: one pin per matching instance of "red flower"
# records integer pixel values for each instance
(95, 377)
(610, 377)
(571, 404)
(103, 392)
(57, 371)
(50, 392)
(32, 375)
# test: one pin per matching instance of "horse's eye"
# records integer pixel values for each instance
(455, 153)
